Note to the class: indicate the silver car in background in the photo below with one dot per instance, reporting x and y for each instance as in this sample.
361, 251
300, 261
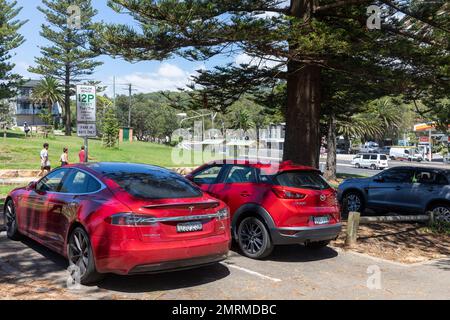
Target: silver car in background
410, 190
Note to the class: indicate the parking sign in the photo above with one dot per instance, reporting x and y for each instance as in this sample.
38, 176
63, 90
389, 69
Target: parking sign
86, 103
87, 130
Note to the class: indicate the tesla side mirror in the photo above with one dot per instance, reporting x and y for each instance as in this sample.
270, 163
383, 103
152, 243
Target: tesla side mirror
32, 185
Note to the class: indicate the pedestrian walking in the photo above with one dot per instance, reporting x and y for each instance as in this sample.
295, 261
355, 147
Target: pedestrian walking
26, 129
64, 157
45, 162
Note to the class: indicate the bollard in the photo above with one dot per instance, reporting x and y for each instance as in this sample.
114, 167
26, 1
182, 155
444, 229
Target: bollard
352, 228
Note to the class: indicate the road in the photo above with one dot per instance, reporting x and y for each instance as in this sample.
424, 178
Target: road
292, 272
345, 166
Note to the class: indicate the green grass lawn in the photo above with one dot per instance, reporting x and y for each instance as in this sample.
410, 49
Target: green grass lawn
18, 152
5, 189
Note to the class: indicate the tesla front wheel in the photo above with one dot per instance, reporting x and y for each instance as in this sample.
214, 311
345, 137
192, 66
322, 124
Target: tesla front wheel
12, 229
254, 239
81, 256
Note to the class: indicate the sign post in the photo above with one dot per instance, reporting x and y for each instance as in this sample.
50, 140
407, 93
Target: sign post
86, 115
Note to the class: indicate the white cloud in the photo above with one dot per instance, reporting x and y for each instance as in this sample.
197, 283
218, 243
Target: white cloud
166, 77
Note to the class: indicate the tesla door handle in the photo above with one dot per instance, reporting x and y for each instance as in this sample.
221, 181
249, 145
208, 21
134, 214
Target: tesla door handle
245, 194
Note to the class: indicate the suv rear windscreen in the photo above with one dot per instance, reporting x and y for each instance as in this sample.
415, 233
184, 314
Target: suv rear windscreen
301, 179
155, 185
383, 157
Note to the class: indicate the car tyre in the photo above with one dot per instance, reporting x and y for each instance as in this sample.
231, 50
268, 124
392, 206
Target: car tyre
12, 228
80, 254
353, 201
358, 165
317, 244
254, 238
373, 167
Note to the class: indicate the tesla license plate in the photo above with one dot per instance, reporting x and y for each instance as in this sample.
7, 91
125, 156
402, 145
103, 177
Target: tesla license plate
189, 227
321, 220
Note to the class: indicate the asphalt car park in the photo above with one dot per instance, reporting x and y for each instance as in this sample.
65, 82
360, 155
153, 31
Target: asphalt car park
292, 272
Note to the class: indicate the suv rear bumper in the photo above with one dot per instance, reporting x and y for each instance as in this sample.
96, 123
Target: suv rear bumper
305, 234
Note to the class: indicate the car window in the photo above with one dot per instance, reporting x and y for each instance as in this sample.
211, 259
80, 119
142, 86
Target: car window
208, 175
79, 182
383, 157
52, 181
154, 184
301, 179
398, 175
241, 174
366, 157
430, 177
373, 157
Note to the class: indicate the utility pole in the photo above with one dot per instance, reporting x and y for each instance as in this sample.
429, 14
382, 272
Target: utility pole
129, 108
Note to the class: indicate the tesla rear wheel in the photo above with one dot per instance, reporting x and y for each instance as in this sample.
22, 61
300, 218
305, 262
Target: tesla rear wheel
80, 254
441, 213
254, 239
317, 244
353, 202
12, 230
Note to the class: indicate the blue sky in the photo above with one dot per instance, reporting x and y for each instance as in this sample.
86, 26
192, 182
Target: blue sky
146, 76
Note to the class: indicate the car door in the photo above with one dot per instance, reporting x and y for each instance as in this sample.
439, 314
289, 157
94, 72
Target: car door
36, 204
389, 189
428, 185
365, 160
238, 186
207, 177
78, 188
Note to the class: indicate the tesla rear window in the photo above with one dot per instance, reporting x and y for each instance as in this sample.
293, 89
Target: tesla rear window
301, 179
155, 185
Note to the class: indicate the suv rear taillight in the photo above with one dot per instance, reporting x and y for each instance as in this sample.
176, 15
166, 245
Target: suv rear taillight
130, 219
284, 193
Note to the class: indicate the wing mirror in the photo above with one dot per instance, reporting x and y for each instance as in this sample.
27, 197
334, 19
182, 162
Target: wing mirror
378, 179
32, 185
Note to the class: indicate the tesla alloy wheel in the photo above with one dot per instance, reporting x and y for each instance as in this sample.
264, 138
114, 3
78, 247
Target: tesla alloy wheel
353, 202
80, 254
11, 221
442, 213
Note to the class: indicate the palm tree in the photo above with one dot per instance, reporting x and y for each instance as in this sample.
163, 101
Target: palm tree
48, 92
242, 120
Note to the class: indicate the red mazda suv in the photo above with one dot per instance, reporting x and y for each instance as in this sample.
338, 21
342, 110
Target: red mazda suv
120, 218
273, 204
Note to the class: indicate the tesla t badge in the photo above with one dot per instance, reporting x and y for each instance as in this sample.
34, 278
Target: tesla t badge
323, 197
191, 208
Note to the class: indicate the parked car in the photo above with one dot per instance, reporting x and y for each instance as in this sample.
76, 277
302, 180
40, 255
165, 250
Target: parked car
373, 161
369, 147
400, 189
121, 218
405, 153
385, 150
273, 204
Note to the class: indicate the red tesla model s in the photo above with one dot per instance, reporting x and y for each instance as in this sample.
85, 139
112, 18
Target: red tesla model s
120, 218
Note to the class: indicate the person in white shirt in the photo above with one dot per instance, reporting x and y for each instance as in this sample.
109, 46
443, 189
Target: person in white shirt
45, 162
64, 157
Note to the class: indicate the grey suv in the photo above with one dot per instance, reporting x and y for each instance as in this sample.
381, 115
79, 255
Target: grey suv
400, 189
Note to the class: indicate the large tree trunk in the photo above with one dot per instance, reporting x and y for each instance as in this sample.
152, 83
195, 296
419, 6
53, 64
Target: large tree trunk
330, 168
302, 138
68, 116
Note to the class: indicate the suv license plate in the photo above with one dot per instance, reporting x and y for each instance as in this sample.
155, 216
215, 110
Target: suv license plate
189, 227
321, 220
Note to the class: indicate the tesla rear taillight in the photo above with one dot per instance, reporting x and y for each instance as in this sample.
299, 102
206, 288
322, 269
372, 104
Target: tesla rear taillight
130, 219
284, 193
223, 214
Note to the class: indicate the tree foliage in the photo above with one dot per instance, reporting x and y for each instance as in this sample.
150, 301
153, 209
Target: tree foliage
69, 57
10, 39
110, 128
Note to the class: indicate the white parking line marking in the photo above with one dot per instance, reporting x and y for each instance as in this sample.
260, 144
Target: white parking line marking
252, 272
